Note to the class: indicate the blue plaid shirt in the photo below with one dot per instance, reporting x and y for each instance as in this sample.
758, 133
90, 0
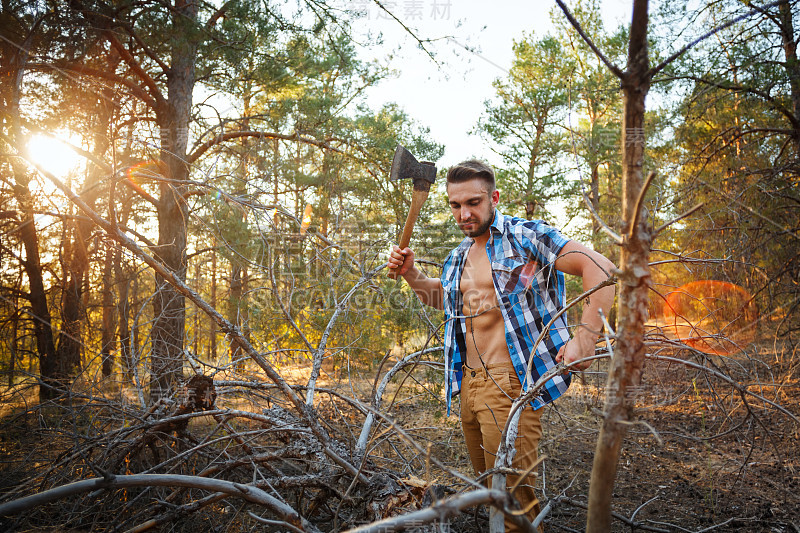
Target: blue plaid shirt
529, 290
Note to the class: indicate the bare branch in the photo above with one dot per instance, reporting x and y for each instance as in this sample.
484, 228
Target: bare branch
610, 232
135, 89
785, 230
575, 24
320, 351
246, 492
131, 61
420, 42
678, 218
223, 137
445, 509
759, 9
361, 444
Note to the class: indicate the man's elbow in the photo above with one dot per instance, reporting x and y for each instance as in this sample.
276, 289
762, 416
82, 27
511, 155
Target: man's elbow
606, 266
599, 265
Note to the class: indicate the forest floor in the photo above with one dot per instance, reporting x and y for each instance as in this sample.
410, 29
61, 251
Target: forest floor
696, 460
701, 456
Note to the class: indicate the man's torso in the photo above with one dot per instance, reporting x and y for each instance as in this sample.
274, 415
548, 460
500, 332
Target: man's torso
521, 254
485, 335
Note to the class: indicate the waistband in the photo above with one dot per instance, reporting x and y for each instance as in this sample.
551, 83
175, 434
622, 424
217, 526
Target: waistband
484, 370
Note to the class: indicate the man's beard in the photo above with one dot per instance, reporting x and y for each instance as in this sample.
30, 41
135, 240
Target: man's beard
479, 230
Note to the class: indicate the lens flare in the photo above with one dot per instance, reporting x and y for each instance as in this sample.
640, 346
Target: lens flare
306, 219
715, 317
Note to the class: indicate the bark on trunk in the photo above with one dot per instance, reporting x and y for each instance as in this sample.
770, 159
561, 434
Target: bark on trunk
173, 119
595, 199
68, 351
629, 352
212, 333
109, 315
12, 345
43, 332
792, 67
70, 339
234, 310
237, 307
123, 312
530, 197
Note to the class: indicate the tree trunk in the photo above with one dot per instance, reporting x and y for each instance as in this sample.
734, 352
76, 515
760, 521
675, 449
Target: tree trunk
233, 307
197, 338
13, 342
122, 279
43, 332
70, 339
595, 199
792, 67
238, 271
123, 312
135, 344
533, 163
109, 315
212, 334
629, 352
173, 119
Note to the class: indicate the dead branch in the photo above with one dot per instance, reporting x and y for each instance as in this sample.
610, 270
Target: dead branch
688, 213
600, 55
224, 325
637, 210
689, 46
443, 510
223, 137
615, 237
245, 492
630, 522
320, 351
361, 444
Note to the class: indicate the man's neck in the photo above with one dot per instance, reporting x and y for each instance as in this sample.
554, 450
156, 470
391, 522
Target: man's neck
481, 240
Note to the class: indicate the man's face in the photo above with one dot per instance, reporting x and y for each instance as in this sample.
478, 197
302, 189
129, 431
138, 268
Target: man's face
472, 206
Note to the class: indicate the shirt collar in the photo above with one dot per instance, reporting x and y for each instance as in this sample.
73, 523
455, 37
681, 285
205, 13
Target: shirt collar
497, 223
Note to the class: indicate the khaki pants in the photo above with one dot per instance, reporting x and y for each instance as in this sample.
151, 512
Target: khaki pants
486, 396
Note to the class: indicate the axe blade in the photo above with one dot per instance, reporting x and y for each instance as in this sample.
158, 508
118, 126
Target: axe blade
406, 166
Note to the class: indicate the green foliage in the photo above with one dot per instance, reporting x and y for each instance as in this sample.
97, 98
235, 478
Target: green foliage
556, 122
286, 88
736, 134
524, 123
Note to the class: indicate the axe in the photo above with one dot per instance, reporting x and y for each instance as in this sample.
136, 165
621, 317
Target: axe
422, 174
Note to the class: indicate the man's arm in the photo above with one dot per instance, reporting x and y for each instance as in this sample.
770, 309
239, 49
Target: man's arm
428, 290
578, 260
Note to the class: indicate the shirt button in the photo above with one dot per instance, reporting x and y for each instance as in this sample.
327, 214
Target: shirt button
472, 373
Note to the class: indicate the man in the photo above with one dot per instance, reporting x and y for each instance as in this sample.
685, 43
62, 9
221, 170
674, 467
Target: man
499, 289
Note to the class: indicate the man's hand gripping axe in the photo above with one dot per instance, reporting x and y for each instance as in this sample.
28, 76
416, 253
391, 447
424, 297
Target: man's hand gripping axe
422, 174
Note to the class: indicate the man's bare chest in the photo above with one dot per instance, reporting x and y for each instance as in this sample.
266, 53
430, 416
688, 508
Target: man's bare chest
477, 285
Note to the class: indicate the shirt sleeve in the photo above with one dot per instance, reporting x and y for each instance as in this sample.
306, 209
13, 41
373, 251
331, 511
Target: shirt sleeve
543, 240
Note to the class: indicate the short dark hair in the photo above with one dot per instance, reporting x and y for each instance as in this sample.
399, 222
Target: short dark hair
471, 169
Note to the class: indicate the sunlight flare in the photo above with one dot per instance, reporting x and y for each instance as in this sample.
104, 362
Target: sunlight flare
53, 155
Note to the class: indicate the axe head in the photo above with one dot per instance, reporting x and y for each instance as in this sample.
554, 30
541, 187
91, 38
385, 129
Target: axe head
406, 166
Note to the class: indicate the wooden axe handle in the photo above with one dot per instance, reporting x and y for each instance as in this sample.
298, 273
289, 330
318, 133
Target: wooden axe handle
417, 201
